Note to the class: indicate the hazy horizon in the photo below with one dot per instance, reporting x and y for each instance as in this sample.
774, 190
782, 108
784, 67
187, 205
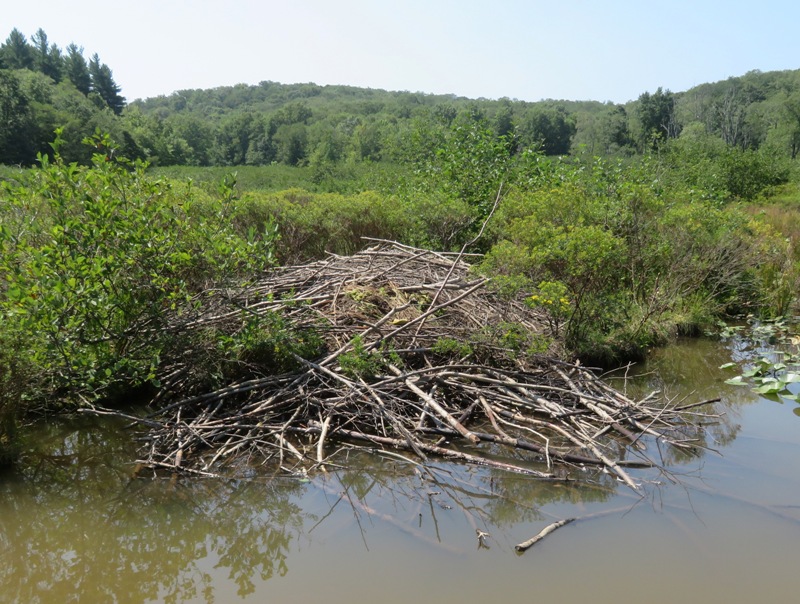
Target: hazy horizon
576, 50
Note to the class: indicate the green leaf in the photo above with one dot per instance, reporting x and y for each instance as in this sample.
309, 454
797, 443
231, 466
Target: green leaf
771, 388
736, 381
727, 365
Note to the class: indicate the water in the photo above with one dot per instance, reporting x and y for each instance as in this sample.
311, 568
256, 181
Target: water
76, 526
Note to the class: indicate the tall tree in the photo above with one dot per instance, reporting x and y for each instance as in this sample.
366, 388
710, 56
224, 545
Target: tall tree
791, 125
503, 124
104, 85
292, 113
46, 57
16, 53
602, 133
234, 137
199, 136
657, 117
730, 112
548, 127
614, 129
16, 133
291, 141
77, 70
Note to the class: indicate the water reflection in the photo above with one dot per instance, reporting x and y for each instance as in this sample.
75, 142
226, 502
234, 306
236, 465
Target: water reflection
76, 526
687, 368
410, 493
688, 372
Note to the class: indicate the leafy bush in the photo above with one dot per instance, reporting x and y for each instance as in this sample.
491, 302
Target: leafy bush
265, 344
723, 173
360, 363
636, 258
93, 259
313, 224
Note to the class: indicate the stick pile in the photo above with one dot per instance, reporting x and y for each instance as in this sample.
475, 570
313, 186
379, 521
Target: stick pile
419, 355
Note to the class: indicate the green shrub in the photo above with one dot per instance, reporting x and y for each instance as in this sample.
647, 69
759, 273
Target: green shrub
637, 259
92, 262
748, 173
360, 363
314, 224
720, 173
439, 222
268, 344
449, 348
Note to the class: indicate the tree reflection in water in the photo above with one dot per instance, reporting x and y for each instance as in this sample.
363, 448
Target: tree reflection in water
75, 526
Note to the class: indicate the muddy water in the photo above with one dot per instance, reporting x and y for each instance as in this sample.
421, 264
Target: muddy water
723, 525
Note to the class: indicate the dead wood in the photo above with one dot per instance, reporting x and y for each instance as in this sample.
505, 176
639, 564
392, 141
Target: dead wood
415, 353
525, 545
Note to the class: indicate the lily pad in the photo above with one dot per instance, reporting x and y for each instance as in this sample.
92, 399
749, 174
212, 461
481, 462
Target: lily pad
771, 387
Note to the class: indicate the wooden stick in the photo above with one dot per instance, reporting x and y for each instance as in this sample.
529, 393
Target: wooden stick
322, 434
448, 453
526, 445
525, 545
441, 411
700, 404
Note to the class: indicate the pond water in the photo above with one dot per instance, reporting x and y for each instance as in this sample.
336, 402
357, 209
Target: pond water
723, 525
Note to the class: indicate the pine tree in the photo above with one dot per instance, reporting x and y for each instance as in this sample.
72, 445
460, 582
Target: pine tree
103, 84
16, 53
76, 69
46, 57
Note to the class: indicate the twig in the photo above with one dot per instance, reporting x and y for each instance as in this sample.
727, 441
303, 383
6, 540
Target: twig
525, 545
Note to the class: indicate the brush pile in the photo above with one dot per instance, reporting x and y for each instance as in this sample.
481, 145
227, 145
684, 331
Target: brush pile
413, 354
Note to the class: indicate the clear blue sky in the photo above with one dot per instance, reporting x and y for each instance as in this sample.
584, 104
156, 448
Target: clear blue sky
604, 50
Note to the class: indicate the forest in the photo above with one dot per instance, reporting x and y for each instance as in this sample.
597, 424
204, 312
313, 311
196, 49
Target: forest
44, 87
617, 226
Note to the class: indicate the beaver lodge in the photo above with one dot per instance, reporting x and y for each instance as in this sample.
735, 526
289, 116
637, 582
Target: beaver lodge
394, 348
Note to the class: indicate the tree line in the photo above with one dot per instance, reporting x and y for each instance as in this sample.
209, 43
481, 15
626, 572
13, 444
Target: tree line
43, 87
755, 117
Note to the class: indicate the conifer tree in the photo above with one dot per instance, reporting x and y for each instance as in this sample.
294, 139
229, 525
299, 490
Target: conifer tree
104, 85
16, 53
77, 70
46, 57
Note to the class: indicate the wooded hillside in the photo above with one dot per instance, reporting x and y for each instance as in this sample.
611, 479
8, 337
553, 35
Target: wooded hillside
43, 87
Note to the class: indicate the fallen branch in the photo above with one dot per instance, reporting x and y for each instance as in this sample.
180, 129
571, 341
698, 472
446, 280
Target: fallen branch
525, 545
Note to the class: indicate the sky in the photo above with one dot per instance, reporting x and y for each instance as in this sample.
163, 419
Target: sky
601, 50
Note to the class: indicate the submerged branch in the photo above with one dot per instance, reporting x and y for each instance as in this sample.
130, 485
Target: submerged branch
525, 545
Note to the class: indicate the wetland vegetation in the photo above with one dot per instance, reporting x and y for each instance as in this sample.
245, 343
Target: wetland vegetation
262, 277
